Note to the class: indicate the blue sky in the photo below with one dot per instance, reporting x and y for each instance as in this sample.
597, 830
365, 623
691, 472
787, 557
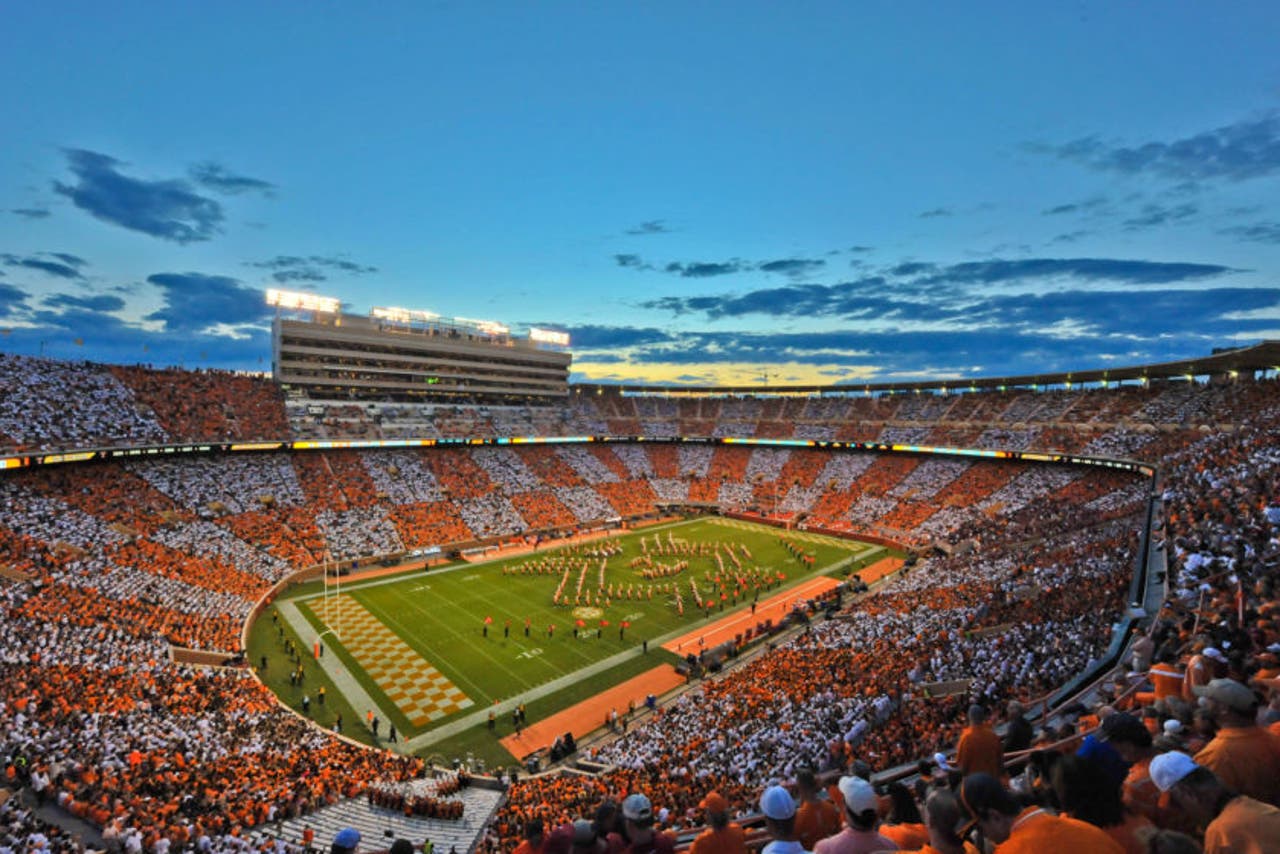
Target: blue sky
709, 192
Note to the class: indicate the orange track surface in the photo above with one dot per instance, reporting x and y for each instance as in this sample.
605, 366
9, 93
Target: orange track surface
589, 715
775, 607
880, 569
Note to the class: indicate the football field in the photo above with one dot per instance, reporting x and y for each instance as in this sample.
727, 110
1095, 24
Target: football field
433, 652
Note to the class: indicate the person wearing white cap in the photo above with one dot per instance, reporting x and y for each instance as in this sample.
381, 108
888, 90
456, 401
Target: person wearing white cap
861, 817
1233, 823
779, 810
1244, 756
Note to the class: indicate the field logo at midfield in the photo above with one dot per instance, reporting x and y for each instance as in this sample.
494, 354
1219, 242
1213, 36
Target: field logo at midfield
423, 693
587, 612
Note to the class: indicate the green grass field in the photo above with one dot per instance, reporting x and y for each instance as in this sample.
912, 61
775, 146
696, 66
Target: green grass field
381, 635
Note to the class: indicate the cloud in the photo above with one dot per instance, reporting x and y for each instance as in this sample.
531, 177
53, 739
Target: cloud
861, 249
635, 262
1084, 206
1132, 272
312, 268
653, 226
1259, 232
166, 209
100, 303
216, 177
11, 297
1071, 236
1246, 149
704, 269
65, 267
604, 337
1152, 215
30, 213
1006, 334
920, 291
793, 267
195, 302
934, 213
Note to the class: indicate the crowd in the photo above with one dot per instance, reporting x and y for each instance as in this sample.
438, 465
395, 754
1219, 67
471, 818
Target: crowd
125, 557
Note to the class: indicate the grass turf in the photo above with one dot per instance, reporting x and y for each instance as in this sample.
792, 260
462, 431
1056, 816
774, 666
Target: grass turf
440, 616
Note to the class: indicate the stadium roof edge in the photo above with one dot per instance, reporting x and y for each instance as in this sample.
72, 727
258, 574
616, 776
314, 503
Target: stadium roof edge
1262, 356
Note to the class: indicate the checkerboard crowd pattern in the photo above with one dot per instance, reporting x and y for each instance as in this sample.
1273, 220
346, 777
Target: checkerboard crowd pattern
421, 692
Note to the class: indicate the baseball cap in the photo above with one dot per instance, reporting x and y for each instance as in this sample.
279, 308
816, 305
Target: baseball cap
1214, 653
1124, 727
638, 809
348, 837
1168, 768
859, 795
1229, 693
776, 803
714, 802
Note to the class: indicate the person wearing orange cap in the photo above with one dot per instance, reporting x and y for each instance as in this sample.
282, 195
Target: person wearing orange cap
721, 836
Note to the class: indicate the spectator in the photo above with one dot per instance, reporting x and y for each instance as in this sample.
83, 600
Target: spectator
780, 821
1087, 791
721, 835
345, 841
816, 816
1026, 830
979, 749
1233, 823
859, 835
638, 829
1244, 756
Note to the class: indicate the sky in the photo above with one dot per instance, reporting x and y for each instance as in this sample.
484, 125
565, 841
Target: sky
708, 192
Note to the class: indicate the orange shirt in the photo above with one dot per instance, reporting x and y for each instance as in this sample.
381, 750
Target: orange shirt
1246, 759
909, 837
1244, 826
1036, 831
1126, 833
816, 820
1167, 680
980, 749
730, 840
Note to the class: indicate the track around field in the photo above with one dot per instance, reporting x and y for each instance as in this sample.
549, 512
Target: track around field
590, 715
774, 608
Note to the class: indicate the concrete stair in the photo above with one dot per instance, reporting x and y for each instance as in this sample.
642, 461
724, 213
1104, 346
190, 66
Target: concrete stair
380, 827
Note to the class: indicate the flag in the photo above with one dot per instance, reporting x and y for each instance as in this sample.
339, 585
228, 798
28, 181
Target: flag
626, 624
580, 623
488, 620
604, 622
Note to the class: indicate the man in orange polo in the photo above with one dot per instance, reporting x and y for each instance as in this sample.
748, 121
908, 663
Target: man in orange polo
1233, 823
979, 749
1033, 830
1243, 755
722, 836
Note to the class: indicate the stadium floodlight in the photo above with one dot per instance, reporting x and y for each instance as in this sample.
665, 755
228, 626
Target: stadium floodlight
491, 327
547, 336
298, 299
402, 315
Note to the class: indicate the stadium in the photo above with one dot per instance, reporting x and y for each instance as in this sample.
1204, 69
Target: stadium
417, 583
